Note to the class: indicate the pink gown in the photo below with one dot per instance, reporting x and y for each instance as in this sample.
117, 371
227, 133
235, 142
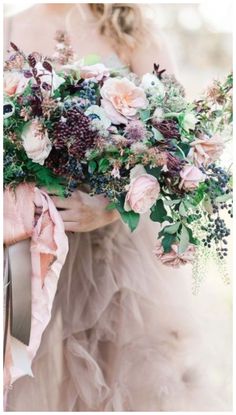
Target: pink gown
125, 334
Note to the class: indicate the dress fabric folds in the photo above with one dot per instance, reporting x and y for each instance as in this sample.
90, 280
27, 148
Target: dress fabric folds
124, 333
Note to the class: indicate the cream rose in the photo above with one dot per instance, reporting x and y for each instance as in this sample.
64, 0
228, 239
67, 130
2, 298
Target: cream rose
143, 191
122, 99
191, 177
173, 258
94, 72
204, 150
14, 83
36, 142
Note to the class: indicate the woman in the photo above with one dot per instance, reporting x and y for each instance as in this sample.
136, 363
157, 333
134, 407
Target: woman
124, 334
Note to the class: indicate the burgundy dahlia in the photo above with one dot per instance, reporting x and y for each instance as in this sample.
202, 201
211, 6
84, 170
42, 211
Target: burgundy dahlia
73, 133
168, 128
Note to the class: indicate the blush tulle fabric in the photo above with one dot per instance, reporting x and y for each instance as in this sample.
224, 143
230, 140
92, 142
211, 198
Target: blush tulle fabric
124, 334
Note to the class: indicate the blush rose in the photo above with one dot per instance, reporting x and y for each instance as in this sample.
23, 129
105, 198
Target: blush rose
191, 177
121, 99
143, 192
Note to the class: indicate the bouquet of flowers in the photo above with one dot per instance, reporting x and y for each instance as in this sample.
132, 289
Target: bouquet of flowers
136, 140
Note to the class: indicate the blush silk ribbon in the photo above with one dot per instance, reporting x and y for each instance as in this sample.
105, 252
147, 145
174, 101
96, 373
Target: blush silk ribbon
35, 251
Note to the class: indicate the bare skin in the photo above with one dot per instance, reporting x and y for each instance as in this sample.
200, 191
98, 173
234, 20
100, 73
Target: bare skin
34, 29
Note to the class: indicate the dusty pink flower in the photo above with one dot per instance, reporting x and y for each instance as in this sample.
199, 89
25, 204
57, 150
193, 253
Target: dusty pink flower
96, 72
115, 173
191, 177
122, 99
143, 192
36, 142
205, 150
173, 258
14, 83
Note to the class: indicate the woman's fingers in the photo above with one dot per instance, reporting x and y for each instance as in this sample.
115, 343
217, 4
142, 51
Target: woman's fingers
61, 203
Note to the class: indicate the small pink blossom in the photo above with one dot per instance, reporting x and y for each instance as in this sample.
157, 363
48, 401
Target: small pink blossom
122, 99
173, 258
116, 173
143, 192
191, 177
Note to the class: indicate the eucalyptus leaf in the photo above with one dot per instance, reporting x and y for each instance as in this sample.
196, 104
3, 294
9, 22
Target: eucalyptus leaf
184, 240
223, 198
182, 209
92, 165
172, 228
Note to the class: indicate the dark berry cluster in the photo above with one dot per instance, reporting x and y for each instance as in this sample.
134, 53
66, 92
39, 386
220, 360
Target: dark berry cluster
107, 185
88, 93
73, 133
217, 232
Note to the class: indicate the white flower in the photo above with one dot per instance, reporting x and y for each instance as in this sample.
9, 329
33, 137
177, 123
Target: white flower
189, 121
100, 113
50, 78
151, 82
36, 142
158, 114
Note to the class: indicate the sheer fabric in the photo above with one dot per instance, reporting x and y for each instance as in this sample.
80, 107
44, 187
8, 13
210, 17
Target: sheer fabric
125, 334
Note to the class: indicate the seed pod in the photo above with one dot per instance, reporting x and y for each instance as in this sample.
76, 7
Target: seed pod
32, 60
46, 86
14, 46
27, 74
47, 66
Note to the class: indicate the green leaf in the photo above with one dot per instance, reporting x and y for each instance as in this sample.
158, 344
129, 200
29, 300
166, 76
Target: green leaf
167, 242
184, 240
158, 212
144, 115
103, 165
92, 59
182, 209
154, 171
157, 135
223, 198
131, 218
92, 165
172, 229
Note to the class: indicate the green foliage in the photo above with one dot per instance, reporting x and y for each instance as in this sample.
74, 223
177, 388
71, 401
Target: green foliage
103, 165
130, 218
167, 241
158, 212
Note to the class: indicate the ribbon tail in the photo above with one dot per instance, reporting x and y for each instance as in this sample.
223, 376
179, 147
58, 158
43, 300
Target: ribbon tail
19, 276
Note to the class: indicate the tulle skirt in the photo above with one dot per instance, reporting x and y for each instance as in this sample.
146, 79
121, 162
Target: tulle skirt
126, 334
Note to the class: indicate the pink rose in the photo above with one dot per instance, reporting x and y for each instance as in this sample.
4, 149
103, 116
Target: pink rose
122, 99
191, 177
36, 142
14, 83
96, 72
206, 149
173, 258
143, 192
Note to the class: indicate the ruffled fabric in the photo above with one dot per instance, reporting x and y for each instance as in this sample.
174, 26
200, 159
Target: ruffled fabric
126, 334
49, 247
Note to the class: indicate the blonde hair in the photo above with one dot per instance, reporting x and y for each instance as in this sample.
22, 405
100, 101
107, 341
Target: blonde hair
121, 23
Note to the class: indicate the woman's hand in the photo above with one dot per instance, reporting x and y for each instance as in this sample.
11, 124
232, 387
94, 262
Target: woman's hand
83, 213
